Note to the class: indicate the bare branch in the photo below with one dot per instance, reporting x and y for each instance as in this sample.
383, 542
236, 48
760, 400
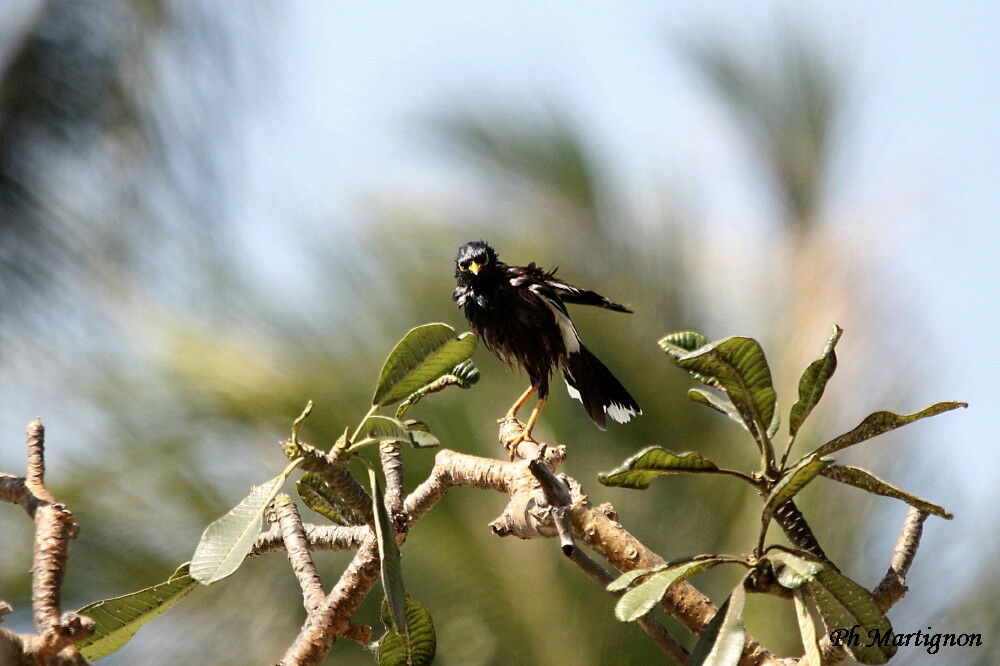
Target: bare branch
893, 585
392, 467
332, 538
35, 479
557, 495
54, 527
331, 619
297, 547
527, 516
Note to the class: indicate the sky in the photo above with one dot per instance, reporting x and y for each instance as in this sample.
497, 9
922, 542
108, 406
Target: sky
343, 89
354, 82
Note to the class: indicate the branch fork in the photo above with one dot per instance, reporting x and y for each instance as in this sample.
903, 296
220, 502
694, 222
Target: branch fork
56, 632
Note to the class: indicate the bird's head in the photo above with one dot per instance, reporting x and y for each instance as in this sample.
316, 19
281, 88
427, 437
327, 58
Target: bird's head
475, 260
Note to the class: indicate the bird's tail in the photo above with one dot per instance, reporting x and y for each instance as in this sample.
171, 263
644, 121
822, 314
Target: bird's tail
589, 381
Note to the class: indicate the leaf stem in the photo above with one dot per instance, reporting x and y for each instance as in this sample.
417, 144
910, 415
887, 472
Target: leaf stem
740, 475
788, 449
363, 443
759, 550
357, 431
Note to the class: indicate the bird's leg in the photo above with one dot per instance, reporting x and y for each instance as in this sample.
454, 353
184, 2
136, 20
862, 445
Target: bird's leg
512, 412
526, 433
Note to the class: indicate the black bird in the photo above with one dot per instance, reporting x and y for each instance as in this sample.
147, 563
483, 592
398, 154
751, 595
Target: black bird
519, 313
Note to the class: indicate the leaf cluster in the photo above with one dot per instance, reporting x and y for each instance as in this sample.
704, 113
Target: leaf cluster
738, 378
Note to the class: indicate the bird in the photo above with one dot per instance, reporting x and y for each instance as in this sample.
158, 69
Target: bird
519, 313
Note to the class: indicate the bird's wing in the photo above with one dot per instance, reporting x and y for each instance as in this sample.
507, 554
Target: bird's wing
570, 338
570, 294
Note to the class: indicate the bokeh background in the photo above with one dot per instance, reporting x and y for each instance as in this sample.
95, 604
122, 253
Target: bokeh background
210, 214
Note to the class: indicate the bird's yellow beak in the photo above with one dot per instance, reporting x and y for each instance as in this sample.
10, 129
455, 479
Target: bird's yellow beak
474, 267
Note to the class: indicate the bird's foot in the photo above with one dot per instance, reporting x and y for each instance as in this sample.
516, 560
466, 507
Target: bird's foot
512, 434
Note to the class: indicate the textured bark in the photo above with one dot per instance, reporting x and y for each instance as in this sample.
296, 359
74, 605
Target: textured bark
297, 548
334, 471
54, 527
331, 620
794, 524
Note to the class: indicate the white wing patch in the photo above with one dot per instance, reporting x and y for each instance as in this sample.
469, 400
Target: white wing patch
573, 393
571, 341
621, 413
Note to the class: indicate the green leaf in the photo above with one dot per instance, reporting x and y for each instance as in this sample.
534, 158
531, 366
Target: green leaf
865, 480
740, 367
792, 482
842, 603
807, 629
423, 355
225, 543
679, 344
880, 422
321, 498
420, 434
116, 620
395, 650
463, 375
628, 578
772, 429
792, 569
719, 403
639, 470
392, 568
384, 428
813, 382
423, 440
640, 599
466, 373
721, 641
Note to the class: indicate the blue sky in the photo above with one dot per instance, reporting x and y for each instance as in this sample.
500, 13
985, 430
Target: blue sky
353, 81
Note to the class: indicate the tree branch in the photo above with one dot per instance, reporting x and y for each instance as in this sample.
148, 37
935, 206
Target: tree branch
331, 619
392, 467
54, 527
334, 471
535, 491
893, 585
297, 547
332, 538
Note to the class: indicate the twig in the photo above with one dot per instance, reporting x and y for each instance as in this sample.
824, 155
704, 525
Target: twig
557, 495
333, 470
54, 527
596, 527
795, 527
331, 538
293, 536
35, 478
392, 467
893, 585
